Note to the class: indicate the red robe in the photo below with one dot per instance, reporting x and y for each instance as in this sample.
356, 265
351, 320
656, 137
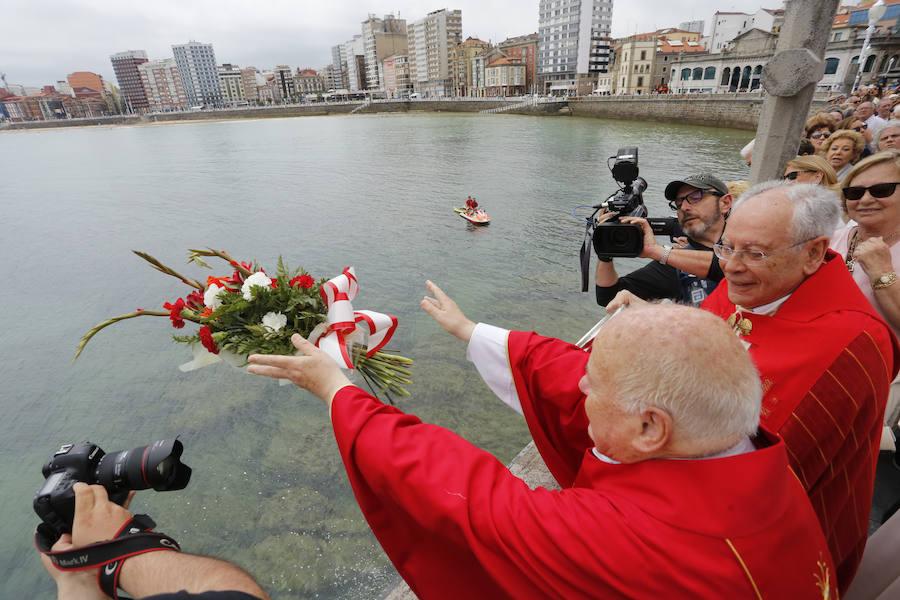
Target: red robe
457, 524
826, 360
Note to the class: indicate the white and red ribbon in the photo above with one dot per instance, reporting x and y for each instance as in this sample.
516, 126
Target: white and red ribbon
343, 322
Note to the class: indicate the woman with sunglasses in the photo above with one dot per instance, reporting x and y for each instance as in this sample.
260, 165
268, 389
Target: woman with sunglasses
843, 149
810, 169
818, 129
869, 245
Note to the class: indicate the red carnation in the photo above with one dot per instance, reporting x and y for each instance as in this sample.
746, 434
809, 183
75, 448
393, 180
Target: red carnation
175, 312
207, 340
194, 300
274, 284
304, 281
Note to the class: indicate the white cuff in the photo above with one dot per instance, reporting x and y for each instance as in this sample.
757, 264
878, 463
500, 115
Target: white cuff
487, 350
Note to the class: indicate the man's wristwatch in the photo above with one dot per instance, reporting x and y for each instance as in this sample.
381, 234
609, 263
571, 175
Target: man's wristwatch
667, 249
885, 281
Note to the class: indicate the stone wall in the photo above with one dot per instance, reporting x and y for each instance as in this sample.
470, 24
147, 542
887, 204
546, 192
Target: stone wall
736, 111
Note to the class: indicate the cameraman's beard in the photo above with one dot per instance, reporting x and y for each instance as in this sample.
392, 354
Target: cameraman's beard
701, 224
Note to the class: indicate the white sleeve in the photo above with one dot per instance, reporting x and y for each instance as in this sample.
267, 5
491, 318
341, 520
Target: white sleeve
488, 352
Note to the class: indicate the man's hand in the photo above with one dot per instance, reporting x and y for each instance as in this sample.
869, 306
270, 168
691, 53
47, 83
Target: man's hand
651, 248
314, 370
447, 313
623, 298
96, 517
72, 585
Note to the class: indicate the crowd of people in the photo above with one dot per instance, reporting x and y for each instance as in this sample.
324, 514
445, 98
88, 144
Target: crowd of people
722, 445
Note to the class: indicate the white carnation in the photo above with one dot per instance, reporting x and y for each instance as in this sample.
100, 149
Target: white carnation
212, 296
274, 321
258, 278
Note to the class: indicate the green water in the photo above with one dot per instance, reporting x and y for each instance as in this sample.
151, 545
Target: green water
373, 191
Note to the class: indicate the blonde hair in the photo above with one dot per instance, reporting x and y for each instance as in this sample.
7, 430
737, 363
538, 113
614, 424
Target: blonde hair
737, 187
859, 142
818, 121
817, 164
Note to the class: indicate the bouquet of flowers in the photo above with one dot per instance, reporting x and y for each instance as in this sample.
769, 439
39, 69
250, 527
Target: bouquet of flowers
250, 312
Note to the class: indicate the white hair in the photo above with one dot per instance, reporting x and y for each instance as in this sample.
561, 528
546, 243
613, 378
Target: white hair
817, 209
707, 382
891, 123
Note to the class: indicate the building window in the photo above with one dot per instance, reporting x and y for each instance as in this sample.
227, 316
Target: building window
685, 74
870, 62
831, 65
640, 82
726, 76
698, 73
709, 73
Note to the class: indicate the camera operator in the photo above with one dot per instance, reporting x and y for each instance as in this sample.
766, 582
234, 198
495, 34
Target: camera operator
160, 575
689, 274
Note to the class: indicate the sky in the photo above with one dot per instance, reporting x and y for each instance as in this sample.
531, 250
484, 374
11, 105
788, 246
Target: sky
41, 43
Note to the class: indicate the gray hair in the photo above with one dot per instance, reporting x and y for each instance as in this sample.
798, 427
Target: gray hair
817, 209
708, 384
891, 123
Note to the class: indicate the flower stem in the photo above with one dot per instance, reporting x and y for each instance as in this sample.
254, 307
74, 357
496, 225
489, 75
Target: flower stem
164, 269
138, 313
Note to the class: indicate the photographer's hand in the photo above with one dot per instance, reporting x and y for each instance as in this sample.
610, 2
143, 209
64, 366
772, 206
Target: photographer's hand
651, 249
314, 370
623, 298
96, 517
447, 314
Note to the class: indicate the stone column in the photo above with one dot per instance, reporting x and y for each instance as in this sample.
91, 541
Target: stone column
790, 79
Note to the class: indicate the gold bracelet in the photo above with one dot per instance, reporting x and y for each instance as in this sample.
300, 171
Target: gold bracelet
885, 281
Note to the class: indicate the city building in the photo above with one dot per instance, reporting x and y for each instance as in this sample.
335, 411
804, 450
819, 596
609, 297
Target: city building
848, 32
63, 87
199, 74
524, 48
85, 79
353, 53
163, 86
250, 82
504, 76
338, 68
736, 68
397, 83
463, 67
231, 84
573, 44
285, 88
125, 66
636, 71
726, 26
696, 26
381, 38
308, 83
431, 48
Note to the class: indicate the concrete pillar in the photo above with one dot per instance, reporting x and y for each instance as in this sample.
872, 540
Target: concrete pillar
790, 79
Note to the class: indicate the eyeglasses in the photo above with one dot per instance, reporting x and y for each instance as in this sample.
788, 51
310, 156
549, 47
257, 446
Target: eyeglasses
692, 199
750, 257
793, 174
821, 134
879, 190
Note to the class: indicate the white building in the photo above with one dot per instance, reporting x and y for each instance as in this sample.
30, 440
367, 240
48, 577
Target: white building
162, 84
431, 49
199, 73
573, 45
381, 38
725, 26
353, 52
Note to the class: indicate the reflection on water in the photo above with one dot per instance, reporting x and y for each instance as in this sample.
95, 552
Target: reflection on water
373, 191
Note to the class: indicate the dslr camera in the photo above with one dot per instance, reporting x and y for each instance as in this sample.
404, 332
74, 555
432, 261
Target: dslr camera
614, 238
156, 466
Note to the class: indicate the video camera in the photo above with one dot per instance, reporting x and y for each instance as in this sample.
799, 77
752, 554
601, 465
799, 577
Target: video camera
613, 238
156, 465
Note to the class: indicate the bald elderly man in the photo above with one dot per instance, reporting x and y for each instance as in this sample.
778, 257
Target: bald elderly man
825, 357
672, 494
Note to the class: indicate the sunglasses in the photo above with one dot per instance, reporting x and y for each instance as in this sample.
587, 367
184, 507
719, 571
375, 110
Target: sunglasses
859, 129
879, 190
793, 175
822, 134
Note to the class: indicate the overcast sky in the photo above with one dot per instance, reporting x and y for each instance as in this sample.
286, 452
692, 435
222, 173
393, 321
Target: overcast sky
42, 42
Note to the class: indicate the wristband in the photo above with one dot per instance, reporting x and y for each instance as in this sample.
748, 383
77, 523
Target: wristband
605, 258
667, 249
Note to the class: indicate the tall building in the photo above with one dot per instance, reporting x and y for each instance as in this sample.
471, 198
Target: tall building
250, 84
232, 88
353, 52
381, 38
125, 65
338, 67
285, 88
573, 44
199, 74
162, 83
431, 48
396, 76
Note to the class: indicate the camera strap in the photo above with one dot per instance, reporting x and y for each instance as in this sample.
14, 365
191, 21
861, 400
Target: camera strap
134, 538
586, 256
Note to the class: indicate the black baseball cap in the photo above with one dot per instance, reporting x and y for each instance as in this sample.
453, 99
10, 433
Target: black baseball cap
701, 181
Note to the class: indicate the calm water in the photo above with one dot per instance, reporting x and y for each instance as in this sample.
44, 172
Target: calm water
376, 192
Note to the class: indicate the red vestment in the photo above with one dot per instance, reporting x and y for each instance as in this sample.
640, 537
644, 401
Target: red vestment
826, 360
457, 524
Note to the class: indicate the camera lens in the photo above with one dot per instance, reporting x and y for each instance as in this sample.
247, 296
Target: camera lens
156, 465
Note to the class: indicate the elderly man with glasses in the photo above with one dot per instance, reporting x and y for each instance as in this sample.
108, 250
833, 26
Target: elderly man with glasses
825, 357
702, 201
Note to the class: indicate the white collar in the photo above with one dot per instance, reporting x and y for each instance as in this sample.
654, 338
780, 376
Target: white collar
742, 447
766, 309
